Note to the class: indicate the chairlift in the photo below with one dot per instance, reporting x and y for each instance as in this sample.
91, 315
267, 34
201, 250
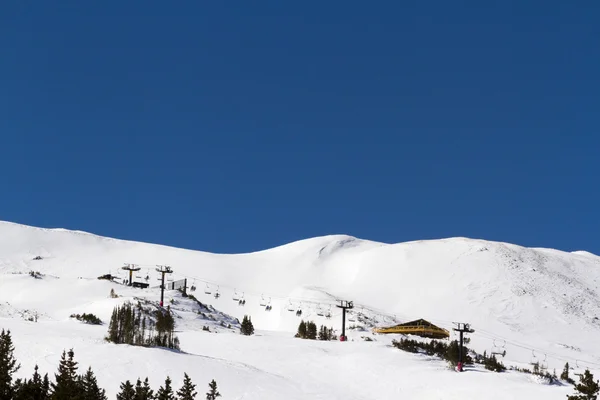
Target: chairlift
236, 296
262, 303
207, 289
268, 306
499, 350
320, 311
544, 363
169, 278
534, 359
351, 317
217, 294
328, 315
291, 307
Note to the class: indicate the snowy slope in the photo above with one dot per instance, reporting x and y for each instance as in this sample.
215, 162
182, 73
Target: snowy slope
538, 299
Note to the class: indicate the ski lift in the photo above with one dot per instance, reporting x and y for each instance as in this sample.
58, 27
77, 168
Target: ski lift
534, 359
499, 350
328, 315
351, 317
319, 311
544, 363
169, 278
207, 289
291, 307
217, 294
263, 303
236, 296
268, 306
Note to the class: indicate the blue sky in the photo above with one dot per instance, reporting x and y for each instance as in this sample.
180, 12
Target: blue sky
238, 126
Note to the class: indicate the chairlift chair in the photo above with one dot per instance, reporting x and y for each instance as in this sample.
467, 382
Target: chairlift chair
262, 303
544, 363
236, 296
534, 359
291, 307
351, 317
498, 350
207, 289
217, 294
320, 311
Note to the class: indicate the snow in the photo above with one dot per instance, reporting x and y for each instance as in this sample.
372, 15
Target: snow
540, 304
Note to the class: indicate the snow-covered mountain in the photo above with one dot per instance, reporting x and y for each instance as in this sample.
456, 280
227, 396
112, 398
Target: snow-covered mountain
538, 304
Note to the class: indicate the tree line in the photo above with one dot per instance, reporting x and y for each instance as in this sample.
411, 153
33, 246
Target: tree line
69, 385
308, 330
133, 325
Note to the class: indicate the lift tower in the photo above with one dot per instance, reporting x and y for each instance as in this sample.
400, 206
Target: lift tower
344, 305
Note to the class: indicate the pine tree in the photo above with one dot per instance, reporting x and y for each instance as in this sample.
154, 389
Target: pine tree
311, 330
143, 392
45, 394
127, 392
8, 365
33, 389
187, 391
66, 386
213, 393
166, 392
301, 330
247, 328
323, 333
587, 388
90, 388
565, 375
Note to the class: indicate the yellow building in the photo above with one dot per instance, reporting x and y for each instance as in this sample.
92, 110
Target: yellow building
419, 327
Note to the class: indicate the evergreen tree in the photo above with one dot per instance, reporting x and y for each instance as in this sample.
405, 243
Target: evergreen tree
143, 392
213, 393
8, 365
311, 330
565, 375
166, 392
587, 388
127, 392
247, 328
187, 391
89, 387
67, 384
301, 330
45, 393
33, 389
323, 333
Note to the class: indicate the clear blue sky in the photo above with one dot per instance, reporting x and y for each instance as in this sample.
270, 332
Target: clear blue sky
233, 126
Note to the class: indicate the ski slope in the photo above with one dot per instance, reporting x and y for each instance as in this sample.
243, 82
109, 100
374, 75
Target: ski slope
538, 304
